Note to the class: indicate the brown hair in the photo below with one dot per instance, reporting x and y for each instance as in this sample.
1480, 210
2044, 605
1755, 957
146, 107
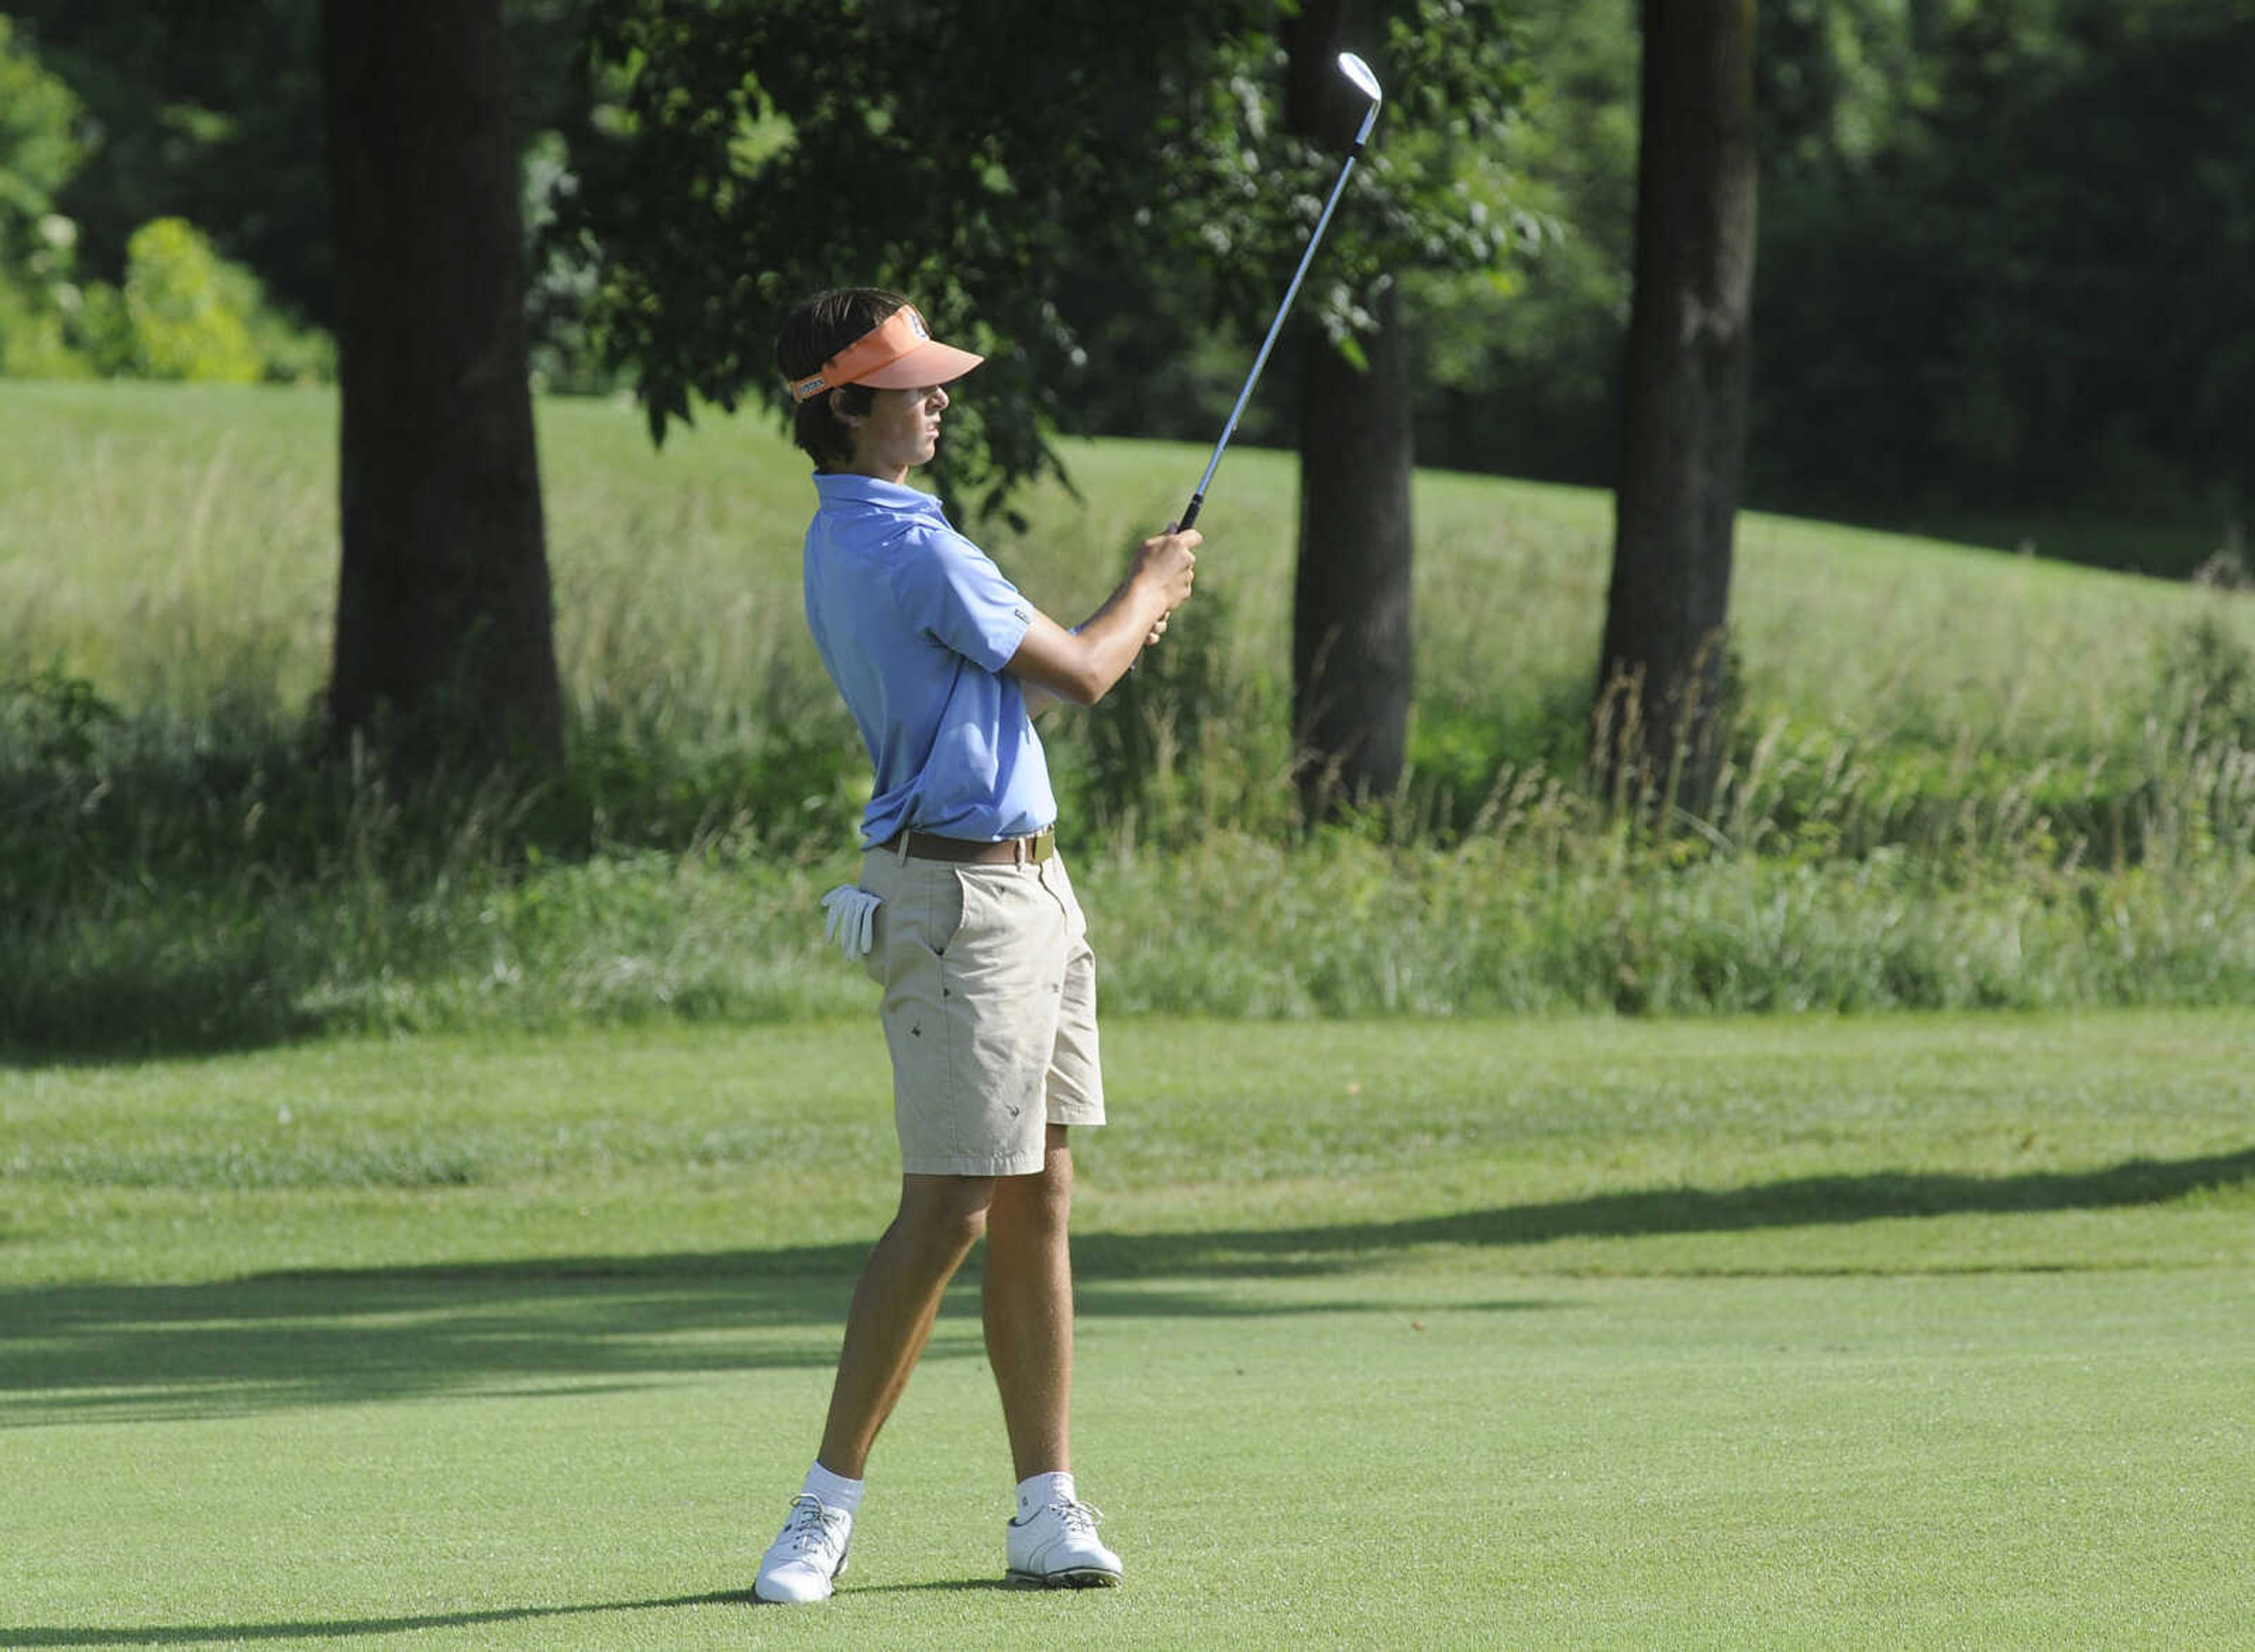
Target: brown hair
813, 333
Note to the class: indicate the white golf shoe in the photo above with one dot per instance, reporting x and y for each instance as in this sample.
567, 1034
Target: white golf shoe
1057, 1548
801, 1562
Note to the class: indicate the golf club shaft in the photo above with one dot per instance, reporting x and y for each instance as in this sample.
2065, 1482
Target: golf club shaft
1198, 499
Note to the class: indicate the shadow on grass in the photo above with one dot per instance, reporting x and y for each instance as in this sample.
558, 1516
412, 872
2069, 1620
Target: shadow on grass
566, 1327
348, 1628
1811, 1201
569, 1326
338, 1629
152, 1353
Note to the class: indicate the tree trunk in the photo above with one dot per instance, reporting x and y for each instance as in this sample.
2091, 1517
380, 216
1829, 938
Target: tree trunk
1660, 681
445, 649
1350, 612
1352, 643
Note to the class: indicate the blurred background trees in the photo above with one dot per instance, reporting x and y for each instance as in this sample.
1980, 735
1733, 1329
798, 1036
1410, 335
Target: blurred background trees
2008, 246
158, 178
2009, 256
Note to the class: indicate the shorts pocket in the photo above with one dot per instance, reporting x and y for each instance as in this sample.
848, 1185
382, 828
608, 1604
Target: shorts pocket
919, 914
922, 910
946, 900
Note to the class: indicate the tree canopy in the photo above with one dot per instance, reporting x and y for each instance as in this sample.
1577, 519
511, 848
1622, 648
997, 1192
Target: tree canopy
753, 153
2011, 255
2006, 243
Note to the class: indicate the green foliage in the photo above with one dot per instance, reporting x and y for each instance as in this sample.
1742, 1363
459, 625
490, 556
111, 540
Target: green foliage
714, 204
183, 312
2003, 269
2001, 272
1243, 185
209, 112
34, 332
1519, 363
212, 111
183, 318
2010, 261
159, 899
1151, 752
54, 719
40, 149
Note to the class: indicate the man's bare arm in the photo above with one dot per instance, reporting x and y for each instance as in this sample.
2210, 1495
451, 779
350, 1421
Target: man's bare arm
1054, 664
1040, 699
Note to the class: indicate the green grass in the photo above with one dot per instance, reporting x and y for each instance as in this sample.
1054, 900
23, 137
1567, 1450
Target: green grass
1957, 779
176, 545
1802, 1331
175, 548
1913, 1331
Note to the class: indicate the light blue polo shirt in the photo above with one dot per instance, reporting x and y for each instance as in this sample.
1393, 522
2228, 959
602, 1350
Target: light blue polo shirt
915, 624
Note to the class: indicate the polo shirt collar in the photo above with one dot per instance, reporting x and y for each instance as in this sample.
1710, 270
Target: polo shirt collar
849, 489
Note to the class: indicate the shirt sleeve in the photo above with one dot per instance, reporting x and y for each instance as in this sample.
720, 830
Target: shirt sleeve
958, 597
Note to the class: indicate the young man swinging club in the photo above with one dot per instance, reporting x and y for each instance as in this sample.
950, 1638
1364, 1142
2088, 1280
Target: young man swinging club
964, 915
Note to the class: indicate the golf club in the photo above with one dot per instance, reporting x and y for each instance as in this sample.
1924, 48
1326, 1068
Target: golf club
1358, 72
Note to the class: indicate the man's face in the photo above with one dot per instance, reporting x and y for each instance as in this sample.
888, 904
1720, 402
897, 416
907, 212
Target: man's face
900, 431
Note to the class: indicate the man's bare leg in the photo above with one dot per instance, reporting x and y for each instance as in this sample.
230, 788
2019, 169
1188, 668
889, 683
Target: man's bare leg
1029, 1310
894, 1303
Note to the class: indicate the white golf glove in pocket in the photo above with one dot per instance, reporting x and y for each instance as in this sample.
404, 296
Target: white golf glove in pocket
853, 922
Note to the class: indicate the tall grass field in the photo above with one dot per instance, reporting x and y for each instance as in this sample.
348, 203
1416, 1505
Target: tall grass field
1955, 778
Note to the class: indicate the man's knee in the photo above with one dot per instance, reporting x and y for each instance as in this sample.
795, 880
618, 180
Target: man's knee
947, 1211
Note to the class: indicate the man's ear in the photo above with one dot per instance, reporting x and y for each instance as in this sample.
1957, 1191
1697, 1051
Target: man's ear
851, 421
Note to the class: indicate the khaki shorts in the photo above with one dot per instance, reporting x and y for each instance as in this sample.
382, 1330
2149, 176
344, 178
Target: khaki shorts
989, 1010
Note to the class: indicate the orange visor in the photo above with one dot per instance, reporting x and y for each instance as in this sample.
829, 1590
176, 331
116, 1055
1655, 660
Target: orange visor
898, 353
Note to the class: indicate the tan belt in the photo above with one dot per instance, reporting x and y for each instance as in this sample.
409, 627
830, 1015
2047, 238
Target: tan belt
923, 845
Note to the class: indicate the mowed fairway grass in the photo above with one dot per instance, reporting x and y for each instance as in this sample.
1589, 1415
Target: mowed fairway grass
1797, 1333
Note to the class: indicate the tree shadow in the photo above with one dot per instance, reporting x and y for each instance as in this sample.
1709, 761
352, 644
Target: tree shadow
153, 1353
347, 1628
574, 1326
1808, 1201
338, 1629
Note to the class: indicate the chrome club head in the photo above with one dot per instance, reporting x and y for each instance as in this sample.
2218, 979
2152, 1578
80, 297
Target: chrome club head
1366, 83
1356, 70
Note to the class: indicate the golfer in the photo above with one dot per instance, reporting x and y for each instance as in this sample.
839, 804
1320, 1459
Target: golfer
964, 915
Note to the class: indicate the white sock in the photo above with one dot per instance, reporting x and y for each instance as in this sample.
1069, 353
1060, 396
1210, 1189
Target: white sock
833, 1491
1039, 1491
